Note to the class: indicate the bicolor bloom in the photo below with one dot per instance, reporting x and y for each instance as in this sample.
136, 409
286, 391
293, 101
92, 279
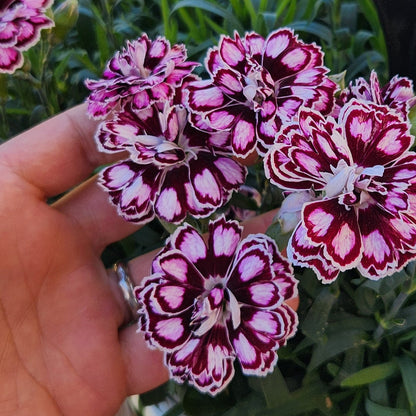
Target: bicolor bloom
173, 169
398, 93
20, 24
361, 172
208, 304
256, 84
143, 73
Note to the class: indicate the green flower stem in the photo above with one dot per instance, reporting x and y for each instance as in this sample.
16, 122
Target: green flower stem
396, 306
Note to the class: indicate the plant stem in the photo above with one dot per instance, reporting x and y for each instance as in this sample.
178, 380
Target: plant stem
396, 306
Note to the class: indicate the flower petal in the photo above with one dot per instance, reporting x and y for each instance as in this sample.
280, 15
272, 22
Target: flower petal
336, 227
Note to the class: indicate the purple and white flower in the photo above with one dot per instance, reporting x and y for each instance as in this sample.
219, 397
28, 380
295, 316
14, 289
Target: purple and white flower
362, 174
398, 93
20, 24
143, 73
257, 84
173, 169
208, 304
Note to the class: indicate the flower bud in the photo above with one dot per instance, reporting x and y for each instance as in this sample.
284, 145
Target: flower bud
289, 214
65, 17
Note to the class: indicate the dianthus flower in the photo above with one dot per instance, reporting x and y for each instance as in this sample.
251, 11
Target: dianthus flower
207, 305
361, 173
173, 169
143, 73
398, 93
20, 24
256, 84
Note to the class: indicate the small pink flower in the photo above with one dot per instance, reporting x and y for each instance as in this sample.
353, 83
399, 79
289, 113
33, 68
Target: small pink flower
207, 305
362, 174
20, 24
173, 169
256, 84
398, 93
143, 73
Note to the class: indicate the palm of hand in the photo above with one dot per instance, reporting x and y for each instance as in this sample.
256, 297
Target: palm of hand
59, 320
61, 348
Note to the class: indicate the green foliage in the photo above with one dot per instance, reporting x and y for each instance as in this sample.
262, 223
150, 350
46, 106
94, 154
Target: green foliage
355, 351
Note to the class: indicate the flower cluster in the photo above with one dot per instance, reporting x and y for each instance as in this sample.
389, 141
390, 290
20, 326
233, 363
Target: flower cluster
208, 304
342, 159
173, 169
20, 24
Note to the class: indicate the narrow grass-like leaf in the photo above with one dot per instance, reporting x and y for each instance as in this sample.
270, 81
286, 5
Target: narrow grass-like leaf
374, 409
248, 5
273, 387
316, 320
306, 399
169, 26
348, 16
408, 370
218, 29
364, 62
102, 43
313, 28
290, 15
353, 410
337, 343
371, 15
370, 374
176, 410
379, 392
192, 26
211, 8
281, 6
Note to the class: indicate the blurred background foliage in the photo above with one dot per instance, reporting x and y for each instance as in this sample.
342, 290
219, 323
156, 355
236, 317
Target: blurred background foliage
355, 351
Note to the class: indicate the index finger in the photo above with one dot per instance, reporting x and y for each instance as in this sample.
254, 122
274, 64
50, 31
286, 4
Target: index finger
56, 154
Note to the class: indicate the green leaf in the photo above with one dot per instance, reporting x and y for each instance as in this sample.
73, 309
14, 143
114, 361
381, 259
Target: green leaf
374, 409
308, 398
370, 12
337, 343
246, 407
199, 404
408, 315
275, 231
370, 374
211, 8
169, 25
273, 387
176, 410
379, 392
408, 370
364, 62
154, 396
316, 321
313, 28
412, 119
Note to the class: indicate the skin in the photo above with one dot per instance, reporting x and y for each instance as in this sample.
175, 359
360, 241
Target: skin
63, 347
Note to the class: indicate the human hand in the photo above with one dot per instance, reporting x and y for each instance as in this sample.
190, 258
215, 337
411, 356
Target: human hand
64, 349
